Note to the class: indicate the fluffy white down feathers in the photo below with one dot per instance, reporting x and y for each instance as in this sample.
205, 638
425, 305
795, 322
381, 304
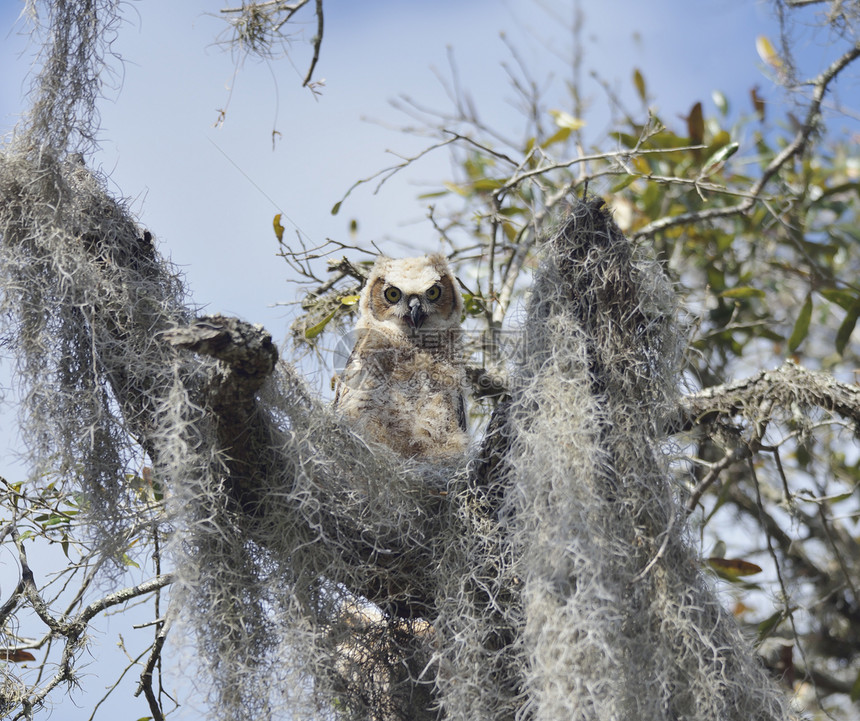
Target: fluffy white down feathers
404, 382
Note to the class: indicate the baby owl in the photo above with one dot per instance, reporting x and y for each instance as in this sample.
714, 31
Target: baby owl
403, 383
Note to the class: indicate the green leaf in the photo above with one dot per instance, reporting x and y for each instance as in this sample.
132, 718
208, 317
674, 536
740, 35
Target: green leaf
279, 229
767, 52
722, 499
628, 140
801, 325
623, 183
436, 194
766, 627
743, 291
723, 154
511, 211
349, 299
486, 185
559, 136
843, 298
639, 82
730, 569
768, 334
855, 689
458, 189
473, 305
843, 335
315, 330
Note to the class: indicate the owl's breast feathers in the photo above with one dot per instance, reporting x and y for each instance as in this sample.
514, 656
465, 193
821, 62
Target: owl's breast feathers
407, 393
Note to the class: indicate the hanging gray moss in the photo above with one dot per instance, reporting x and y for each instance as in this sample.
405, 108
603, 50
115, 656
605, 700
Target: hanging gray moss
619, 621
85, 295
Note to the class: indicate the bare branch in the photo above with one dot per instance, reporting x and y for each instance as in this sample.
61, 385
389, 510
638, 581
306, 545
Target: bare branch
620, 154
739, 453
317, 43
388, 172
794, 148
790, 383
123, 595
145, 685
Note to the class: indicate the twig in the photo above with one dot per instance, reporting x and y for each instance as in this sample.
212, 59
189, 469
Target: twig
73, 630
113, 686
317, 44
667, 534
738, 453
795, 147
145, 684
515, 180
278, 4
386, 173
785, 594
840, 560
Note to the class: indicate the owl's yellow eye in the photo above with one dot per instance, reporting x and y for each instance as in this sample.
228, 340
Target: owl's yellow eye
434, 293
392, 294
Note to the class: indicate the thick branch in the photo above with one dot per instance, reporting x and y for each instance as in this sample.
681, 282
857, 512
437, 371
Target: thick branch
246, 353
245, 357
788, 385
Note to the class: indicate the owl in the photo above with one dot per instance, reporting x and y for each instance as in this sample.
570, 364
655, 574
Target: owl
404, 382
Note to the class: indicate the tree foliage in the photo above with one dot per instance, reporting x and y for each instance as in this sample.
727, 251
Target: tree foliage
626, 464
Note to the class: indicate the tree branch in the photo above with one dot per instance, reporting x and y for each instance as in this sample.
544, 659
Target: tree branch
317, 43
245, 357
789, 384
145, 684
794, 148
739, 453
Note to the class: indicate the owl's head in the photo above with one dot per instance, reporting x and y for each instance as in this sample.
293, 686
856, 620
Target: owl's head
408, 295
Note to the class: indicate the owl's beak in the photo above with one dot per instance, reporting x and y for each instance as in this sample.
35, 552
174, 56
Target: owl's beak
416, 312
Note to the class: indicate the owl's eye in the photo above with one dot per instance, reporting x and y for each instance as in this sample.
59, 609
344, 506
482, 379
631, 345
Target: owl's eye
434, 292
392, 294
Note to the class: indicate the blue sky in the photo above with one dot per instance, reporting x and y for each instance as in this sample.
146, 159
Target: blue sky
209, 193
